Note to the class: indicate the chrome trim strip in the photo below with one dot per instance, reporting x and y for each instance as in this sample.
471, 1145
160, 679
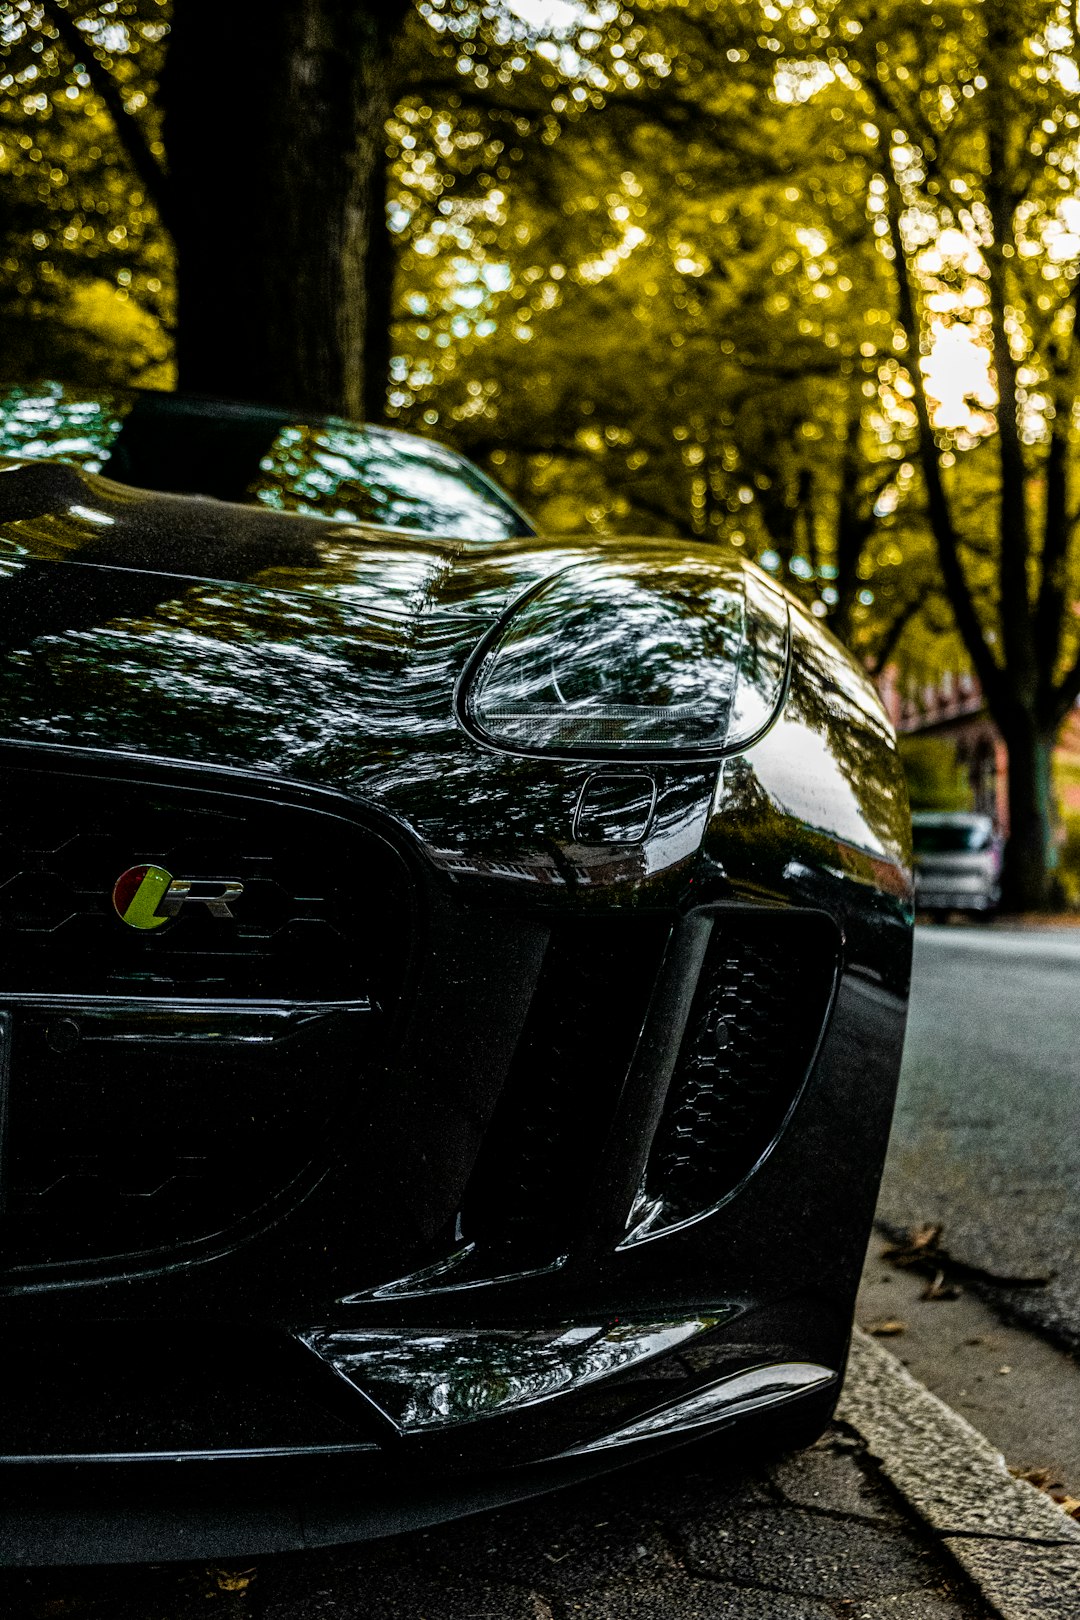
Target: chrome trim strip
729, 1397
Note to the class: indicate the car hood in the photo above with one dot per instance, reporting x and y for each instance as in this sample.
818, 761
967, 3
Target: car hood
53, 513
186, 629
241, 639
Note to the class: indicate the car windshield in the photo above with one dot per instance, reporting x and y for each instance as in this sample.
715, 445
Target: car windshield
318, 465
952, 837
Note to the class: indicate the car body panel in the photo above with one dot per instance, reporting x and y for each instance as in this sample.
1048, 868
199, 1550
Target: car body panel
472, 1098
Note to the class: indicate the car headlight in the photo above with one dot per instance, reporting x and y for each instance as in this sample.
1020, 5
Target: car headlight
646, 655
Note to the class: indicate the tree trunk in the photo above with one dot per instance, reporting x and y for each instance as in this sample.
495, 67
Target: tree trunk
380, 304
274, 129
1028, 879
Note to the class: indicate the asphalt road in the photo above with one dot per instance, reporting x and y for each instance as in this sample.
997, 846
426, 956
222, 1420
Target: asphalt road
986, 1141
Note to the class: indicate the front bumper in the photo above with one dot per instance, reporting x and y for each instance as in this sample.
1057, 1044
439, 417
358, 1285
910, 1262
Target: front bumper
585, 1170
225, 1502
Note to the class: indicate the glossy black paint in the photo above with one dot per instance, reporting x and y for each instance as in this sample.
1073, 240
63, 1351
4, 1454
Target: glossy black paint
318, 465
476, 1262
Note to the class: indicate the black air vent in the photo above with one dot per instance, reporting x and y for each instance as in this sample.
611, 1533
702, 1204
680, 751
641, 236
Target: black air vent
538, 1164
154, 1131
760, 1006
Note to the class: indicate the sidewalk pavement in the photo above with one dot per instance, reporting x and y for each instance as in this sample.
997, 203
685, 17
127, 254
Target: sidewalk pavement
1021, 1551
901, 1512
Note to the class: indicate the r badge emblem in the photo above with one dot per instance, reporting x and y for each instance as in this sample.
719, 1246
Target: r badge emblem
147, 896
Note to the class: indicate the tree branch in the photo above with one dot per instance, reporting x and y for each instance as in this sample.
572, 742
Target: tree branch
1058, 521
1053, 584
875, 491
941, 521
128, 129
926, 139
1014, 539
910, 610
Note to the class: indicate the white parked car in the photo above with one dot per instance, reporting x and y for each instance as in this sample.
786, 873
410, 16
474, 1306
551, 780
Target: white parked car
957, 861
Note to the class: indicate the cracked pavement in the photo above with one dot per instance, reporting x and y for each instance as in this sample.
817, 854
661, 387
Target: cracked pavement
810, 1536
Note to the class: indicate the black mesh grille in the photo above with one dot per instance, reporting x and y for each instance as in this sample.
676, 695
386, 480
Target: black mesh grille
144, 1139
537, 1168
165, 1086
761, 1002
319, 915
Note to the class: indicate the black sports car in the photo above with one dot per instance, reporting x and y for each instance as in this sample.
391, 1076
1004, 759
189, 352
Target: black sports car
452, 986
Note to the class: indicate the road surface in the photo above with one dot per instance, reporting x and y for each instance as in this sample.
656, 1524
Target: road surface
987, 1134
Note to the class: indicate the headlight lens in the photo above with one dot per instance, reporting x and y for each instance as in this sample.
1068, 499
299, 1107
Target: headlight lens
644, 656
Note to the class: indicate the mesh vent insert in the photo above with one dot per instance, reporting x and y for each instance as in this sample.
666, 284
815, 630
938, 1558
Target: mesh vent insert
761, 1003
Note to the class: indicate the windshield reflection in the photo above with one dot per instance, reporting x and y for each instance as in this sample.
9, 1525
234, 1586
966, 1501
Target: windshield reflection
384, 478
257, 455
46, 421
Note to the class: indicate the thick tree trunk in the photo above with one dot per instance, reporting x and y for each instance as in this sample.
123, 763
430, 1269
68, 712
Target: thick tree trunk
1028, 880
274, 131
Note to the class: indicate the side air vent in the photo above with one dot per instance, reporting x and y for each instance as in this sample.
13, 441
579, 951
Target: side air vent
761, 1003
534, 1173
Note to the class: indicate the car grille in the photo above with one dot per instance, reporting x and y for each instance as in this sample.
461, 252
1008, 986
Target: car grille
761, 1003
166, 1085
311, 923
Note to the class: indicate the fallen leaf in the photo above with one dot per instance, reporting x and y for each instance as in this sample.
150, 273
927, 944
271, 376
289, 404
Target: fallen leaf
938, 1288
887, 1329
1044, 1480
916, 1246
232, 1580
923, 1249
